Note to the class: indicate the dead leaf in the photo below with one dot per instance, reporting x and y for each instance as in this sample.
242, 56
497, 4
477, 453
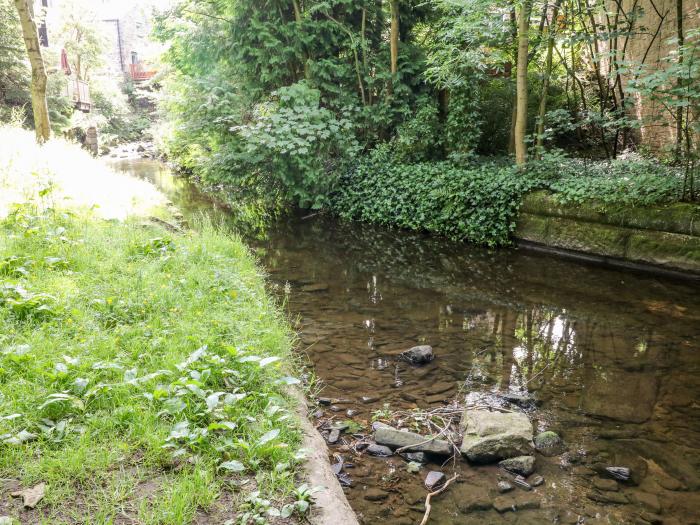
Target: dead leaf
31, 496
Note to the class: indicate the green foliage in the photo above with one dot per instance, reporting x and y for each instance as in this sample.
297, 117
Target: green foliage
295, 141
476, 203
420, 137
479, 202
632, 181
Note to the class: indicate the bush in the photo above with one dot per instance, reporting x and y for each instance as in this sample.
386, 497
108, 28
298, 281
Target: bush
297, 142
477, 203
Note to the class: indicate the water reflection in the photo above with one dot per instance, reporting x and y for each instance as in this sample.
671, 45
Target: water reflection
609, 360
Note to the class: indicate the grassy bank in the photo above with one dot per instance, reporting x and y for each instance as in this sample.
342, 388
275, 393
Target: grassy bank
141, 371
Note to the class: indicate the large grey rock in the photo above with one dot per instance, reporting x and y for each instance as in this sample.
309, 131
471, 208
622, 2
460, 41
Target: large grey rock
418, 355
492, 436
399, 438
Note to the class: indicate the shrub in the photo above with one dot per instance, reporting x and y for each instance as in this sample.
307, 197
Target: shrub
477, 203
296, 141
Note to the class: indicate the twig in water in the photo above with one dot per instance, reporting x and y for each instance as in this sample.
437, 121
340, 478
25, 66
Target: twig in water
428, 507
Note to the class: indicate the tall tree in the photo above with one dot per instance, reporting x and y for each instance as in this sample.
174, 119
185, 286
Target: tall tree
42, 125
547, 75
521, 82
394, 39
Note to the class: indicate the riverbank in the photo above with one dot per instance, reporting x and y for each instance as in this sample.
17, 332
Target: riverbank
144, 370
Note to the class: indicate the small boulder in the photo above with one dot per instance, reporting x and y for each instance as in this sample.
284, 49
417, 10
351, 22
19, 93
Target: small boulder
536, 481
399, 438
418, 355
378, 450
524, 465
434, 480
333, 436
621, 473
519, 481
504, 486
549, 443
492, 436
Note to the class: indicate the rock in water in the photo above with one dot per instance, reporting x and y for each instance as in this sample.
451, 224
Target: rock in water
524, 465
519, 481
417, 457
434, 480
504, 486
492, 436
379, 450
398, 438
621, 473
418, 355
549, 443
536, 481
334, 436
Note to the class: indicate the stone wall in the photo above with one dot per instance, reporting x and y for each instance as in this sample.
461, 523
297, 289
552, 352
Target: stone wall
663, 236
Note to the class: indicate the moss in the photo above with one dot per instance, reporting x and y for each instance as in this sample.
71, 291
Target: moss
666, 249
673, 218
601, 239
532, 227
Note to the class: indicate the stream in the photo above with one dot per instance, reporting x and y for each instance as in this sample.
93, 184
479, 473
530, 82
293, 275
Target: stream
610, 359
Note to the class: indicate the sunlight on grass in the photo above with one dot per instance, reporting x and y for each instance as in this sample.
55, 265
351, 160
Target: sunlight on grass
61, 174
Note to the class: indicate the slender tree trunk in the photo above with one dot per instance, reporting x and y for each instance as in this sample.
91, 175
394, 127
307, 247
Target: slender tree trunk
30, 33
547, 76
521, 83
298, 20
394, 40
363, 44
679, 82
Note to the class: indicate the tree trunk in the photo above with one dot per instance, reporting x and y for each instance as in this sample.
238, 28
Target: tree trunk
394, 40
521, 83
679, 83
25, 9
298, 20
547, 76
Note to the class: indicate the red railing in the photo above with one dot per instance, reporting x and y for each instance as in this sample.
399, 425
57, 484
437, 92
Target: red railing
136, 72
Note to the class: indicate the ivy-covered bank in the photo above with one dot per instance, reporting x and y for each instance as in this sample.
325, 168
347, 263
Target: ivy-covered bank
479, 201
143, 371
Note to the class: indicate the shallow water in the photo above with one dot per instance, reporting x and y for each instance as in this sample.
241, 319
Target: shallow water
612, 359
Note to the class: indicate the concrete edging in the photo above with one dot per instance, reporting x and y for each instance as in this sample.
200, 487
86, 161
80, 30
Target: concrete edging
330, 506
663, 238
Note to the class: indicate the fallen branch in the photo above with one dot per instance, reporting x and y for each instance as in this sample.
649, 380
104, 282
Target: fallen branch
428, 507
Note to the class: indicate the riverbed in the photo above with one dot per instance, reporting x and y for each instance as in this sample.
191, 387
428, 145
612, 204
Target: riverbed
610, 360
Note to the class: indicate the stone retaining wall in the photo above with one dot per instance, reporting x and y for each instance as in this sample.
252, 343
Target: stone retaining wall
663, 236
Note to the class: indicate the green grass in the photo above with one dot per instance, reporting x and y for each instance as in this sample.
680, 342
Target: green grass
142, 373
